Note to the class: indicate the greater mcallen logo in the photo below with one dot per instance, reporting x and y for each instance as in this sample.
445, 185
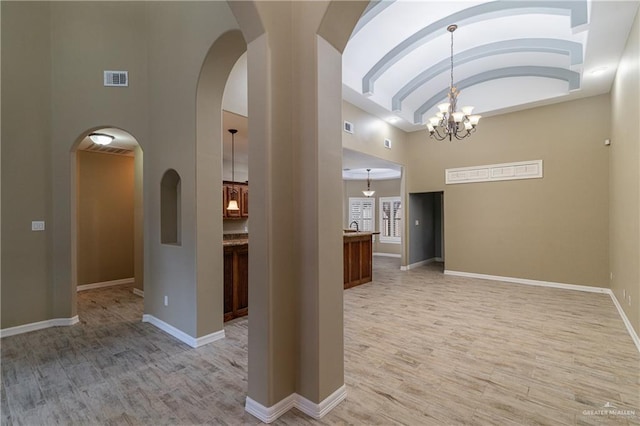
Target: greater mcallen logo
608, 409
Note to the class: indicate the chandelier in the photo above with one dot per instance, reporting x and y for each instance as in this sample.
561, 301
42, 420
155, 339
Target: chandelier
450, 123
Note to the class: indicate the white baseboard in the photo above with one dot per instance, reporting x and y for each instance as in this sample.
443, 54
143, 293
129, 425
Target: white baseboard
317, 411
396, 255
138, 292
181, 335
627, 323
529, 282
105, 284
269, 414
625, 319
56, 322
417, 264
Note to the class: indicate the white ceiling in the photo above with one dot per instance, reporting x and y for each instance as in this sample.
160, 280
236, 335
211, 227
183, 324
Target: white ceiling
510, 55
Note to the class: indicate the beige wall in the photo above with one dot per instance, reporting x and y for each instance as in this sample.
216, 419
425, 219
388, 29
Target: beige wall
26, 166
383, 188
624, 175
369, 135
550, 229
105, 217
54, 54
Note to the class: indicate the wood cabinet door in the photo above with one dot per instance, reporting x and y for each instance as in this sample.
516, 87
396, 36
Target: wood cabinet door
244, 197
242, 282
228, 283
225, 201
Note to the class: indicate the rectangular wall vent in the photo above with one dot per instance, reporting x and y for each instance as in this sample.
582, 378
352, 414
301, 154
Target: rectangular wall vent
348, 127
116, 78
387, 143
495, 172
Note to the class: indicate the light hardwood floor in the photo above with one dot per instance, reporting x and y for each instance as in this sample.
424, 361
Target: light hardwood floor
421, 348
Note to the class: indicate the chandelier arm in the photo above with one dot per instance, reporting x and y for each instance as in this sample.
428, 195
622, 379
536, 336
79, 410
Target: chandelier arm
463, 135
437, 136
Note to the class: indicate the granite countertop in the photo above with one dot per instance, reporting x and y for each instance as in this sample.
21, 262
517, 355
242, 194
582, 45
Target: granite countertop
235, 239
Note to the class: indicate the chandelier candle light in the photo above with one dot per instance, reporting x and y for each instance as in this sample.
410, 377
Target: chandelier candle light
233, 202
449, 123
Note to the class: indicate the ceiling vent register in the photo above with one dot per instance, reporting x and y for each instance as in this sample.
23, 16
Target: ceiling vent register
108, 149
116, 78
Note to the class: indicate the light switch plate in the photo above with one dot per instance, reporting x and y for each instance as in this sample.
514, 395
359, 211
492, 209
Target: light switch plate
37, 225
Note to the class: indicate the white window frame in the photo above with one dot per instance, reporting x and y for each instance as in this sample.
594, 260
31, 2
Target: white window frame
364, 203
395, 220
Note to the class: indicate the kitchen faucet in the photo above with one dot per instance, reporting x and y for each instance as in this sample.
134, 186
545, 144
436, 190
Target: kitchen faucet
356, 223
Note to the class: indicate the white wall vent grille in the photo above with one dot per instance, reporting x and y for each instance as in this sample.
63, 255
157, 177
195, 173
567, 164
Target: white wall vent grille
116, 78
495, 172
348, 127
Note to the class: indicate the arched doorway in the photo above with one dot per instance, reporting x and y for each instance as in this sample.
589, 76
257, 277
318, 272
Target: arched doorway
107, 244
217, 66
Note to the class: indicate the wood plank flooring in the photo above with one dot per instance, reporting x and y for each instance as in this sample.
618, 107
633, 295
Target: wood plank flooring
421, 348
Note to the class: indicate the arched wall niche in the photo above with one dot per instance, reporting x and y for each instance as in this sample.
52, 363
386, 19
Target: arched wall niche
170, 206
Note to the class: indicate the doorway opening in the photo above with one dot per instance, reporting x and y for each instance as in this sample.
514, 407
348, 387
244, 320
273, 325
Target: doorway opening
426, 229
107, 216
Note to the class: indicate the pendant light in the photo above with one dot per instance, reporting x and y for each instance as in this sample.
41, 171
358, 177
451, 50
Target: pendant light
233, 202
368, 192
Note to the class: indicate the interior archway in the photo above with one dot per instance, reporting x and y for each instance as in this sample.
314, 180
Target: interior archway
214, 73
107, 243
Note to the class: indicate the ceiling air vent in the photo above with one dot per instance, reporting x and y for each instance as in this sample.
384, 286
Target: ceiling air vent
109, 149
348, 127
116, 78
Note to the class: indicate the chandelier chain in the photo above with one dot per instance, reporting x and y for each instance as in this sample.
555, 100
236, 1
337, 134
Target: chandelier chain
451, 59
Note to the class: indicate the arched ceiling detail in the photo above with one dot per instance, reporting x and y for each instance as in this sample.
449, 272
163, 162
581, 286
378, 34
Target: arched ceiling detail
571, 77
547, 50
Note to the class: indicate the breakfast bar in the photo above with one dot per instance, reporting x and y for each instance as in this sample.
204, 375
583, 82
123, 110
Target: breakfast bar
358, 258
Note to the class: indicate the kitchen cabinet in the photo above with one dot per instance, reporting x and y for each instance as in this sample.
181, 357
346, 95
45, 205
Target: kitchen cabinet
236, 280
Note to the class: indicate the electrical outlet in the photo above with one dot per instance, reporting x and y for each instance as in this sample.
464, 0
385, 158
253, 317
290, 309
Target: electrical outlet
417, 222
166, 301
624, 293
629, 300
610, 275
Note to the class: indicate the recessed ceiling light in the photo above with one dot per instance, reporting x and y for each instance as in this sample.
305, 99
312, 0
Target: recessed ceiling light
599, 70
392, 119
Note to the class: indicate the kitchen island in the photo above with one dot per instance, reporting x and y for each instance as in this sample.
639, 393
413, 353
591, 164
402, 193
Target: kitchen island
358, 258
236, 275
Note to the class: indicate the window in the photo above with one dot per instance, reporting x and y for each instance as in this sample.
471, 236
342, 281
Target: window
361, 211
390, 220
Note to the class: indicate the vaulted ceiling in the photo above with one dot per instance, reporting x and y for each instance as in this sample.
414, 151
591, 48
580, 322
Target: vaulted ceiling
508, 55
